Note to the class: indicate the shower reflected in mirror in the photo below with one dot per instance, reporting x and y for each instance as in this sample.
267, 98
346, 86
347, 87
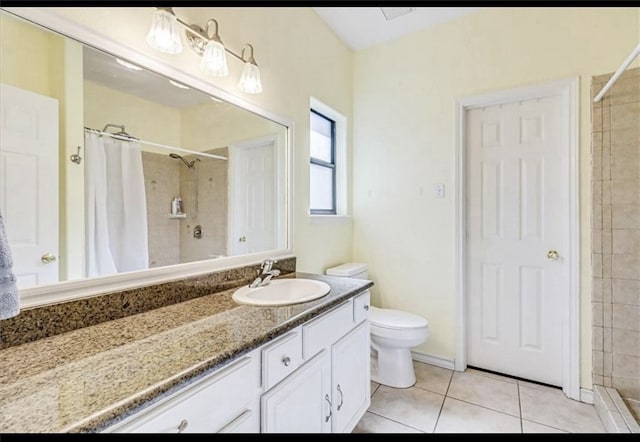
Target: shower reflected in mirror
189, 164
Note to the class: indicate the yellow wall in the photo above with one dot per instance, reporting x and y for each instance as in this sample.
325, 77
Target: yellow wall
143, 119
404, 110
21, 43
213, 125
298, 56
41, 62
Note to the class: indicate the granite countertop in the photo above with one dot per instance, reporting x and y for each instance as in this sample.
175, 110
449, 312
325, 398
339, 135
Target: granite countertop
87, 379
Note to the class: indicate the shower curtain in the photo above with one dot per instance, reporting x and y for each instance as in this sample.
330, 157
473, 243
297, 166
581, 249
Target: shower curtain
116, 206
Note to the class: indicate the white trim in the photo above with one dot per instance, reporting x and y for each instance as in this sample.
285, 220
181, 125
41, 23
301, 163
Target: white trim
586, 396
568, 89
83, 288
342, 203
329, 219
433, 360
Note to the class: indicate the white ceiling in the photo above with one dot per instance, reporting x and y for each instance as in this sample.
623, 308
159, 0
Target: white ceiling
360, 28
102, 68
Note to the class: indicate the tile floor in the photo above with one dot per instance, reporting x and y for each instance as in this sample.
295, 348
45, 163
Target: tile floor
445, 401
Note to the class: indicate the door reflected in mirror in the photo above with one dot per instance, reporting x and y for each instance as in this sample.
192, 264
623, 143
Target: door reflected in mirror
111, 168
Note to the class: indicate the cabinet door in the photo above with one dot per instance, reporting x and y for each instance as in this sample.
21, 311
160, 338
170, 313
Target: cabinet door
351, 379
301, 403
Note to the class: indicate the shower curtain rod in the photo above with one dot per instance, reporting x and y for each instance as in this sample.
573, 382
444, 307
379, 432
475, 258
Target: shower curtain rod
619, 72
151, 143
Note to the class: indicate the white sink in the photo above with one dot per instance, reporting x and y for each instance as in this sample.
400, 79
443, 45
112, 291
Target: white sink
282, 292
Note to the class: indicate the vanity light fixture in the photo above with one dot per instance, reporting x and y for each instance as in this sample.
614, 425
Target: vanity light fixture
164, 36
250, 78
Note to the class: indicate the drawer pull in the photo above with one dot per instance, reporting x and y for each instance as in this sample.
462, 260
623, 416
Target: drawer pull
183, 426
286, 361
366, 308
326, 397
341, 398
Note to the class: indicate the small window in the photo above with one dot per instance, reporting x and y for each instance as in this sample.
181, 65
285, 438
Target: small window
322, 165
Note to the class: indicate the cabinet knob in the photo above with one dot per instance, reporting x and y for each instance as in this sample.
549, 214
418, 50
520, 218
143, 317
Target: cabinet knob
326, 398
286, 361
553, 255
341, 398
183, 426
366, 308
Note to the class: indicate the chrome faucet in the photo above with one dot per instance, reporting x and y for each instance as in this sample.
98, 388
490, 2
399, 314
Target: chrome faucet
265, 274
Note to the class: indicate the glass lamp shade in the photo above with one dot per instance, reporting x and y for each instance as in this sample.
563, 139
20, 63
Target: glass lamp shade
214, 59
250, 79
164, 33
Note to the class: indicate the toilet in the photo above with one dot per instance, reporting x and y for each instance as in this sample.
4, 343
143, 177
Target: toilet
393, 334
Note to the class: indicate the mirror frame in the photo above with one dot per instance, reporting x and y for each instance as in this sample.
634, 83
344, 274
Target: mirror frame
88, 287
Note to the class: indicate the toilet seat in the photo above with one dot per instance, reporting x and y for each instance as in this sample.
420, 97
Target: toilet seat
395, 319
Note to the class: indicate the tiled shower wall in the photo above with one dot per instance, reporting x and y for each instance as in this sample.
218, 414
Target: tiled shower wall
211, 210
615, 227
171, 240
161, 184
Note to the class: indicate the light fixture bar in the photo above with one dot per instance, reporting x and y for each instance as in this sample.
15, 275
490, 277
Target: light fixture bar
199, 33
163, 36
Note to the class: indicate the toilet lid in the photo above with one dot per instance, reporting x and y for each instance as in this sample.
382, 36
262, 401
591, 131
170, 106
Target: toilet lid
397, 319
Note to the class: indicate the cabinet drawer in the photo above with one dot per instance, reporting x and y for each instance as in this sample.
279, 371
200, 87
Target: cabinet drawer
197, 409
361, 304
281, 358
327, 329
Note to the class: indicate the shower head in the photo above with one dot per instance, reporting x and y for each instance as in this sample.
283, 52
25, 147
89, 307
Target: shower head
175, 156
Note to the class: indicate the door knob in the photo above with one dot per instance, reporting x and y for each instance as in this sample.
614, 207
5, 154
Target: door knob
48, 258
553, 255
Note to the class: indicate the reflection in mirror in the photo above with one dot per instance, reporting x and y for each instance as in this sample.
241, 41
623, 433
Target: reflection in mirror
161, 174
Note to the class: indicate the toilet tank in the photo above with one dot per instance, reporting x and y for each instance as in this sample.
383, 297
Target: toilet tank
355, 270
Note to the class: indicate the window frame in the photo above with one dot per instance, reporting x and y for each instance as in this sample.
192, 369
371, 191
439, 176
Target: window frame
329, 165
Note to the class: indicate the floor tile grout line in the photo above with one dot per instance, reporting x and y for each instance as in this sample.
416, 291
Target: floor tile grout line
395, 421
446, 393
483, 406
547, 425
520, 408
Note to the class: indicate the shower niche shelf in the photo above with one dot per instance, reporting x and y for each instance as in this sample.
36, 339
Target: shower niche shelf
177, 215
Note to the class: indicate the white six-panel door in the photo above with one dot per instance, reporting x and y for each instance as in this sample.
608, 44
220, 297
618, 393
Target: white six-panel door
517, 211
253, 196
29, 183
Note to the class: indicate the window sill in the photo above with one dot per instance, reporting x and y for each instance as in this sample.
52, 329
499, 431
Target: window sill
324, 219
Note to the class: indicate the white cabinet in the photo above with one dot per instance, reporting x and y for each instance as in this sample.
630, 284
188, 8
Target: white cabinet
350, 383
313, 379
197, 408
301, 403
331, 391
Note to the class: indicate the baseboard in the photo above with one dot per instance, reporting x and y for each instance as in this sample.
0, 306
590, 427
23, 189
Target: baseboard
586, 396
433, 360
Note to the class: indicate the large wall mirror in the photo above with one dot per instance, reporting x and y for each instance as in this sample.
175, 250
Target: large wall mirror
109, 168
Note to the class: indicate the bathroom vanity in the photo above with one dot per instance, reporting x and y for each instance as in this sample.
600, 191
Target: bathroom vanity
203, 365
